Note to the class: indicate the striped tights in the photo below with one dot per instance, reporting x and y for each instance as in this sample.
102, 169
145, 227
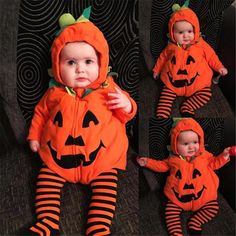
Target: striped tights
200, 217
48, 199
188, 107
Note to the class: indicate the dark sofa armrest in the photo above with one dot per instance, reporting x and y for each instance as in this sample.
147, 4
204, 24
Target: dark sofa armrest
7, 137
227, 55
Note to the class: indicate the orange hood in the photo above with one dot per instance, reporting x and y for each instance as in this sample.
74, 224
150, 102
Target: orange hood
184, 125
82, 31
184, 14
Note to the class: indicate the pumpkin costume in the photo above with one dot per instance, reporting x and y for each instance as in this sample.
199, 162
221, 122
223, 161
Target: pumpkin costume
185, 70
81, 140
192, 184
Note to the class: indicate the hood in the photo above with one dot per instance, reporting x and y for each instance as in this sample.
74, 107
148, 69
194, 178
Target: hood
184, 13
87, 32
184, 125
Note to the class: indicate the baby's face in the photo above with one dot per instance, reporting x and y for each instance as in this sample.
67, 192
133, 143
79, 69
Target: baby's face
187, 143
79, 64
183, 32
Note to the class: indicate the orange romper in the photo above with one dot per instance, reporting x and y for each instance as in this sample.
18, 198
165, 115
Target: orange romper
198, 173
79, 136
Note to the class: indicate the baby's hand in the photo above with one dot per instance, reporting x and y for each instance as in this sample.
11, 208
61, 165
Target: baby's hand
34, 145
232, 151
119, 100
155, 75
223, 71
142, 161
226, 153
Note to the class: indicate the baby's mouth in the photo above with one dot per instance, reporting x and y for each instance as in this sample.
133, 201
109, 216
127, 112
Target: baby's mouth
191, 152
81, 79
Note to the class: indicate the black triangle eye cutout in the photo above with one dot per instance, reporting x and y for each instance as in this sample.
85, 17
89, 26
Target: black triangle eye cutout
173, 60
89, 116
178, 175
196, 173
58, 119
189, 60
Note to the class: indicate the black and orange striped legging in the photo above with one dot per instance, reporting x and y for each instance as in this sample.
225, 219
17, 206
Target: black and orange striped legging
199, 217
188, 107
48, 199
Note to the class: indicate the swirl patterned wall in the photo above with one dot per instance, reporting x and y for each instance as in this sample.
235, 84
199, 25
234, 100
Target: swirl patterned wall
38, 22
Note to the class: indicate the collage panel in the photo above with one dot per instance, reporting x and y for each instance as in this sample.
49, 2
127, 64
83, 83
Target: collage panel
85, 181
175, 68
168, 175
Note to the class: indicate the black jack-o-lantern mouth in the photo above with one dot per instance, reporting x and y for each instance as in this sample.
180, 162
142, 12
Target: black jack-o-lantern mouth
183, 82
189, 197
74, 160
70, 161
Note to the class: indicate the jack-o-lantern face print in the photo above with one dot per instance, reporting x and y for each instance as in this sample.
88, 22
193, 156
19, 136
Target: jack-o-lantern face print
181, 194
186, 71
182, 73
73, 160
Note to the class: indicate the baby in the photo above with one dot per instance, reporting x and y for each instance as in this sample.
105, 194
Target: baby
78, 127
185, 65
192, 183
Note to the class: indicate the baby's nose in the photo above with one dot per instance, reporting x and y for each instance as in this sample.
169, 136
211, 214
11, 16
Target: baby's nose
79, 67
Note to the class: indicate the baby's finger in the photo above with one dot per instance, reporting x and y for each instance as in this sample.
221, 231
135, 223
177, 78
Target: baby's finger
115, 106
113, 101
118, 90
114, 95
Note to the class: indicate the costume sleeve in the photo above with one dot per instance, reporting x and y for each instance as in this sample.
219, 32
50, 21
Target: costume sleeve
157, 165
162, 59
216, 163
119, 113
211, 57
41, 115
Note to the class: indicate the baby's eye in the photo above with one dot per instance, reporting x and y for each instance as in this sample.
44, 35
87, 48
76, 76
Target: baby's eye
190, 31
185, 144
195, 142
180, 32
71, 62
88, 61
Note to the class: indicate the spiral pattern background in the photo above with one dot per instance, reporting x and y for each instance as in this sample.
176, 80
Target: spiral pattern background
209, 14
38, 22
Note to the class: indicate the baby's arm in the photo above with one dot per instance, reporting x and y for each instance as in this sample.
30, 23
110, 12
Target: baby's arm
142, 161
162, 59
155, 75
220, 160
117, 100
226, 153
34, 145
213, 60
223, 71
40, 117
152, 164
